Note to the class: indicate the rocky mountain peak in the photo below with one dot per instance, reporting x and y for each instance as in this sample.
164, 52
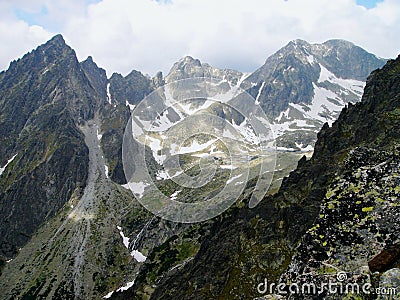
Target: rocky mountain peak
186, 67
298, 44
189, 60
55, 44
189, 67
338, 43
89, 60
96, 76
89, 63
309, 84
46, 55
339, 56
55, 47
57, 39
129, 89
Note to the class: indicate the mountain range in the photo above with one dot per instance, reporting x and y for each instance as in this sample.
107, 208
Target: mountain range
71, 230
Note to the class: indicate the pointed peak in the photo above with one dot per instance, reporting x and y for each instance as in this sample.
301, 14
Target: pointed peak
88, 61
89, 64
134, 73
299, 42
116, 76
57, 44
57, 39
189, 60
297, 47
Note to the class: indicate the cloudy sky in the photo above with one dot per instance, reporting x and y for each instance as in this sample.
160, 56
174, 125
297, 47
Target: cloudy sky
150, 35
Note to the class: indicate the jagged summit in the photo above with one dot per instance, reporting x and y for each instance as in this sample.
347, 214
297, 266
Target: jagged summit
89, 59
189, 67
90, 62
298, 42
50, 52
55, 46
339, 43
185, 68
189, 59
57, 39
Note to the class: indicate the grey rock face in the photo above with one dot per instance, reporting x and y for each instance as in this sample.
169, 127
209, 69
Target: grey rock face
129, 89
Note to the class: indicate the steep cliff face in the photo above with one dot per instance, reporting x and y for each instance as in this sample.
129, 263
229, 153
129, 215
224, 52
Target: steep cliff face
129, 89
43, 98
338, 209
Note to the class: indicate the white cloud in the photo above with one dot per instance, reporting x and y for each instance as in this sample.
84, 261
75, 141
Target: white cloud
16, 36
149, 36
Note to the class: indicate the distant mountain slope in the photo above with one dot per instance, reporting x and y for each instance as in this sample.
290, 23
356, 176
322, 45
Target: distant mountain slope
304, 85
300, 87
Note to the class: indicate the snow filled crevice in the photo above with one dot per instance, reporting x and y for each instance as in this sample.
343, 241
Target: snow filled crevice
7, 163
108, 94
259, 93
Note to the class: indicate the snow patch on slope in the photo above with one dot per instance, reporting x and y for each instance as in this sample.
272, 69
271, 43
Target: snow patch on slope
174, 196
233, 178
121, 289
136, 254
194, 147
131, 106
136, 187
353, 85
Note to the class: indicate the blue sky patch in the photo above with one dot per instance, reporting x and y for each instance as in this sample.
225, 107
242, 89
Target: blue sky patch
368, 3
29, 17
